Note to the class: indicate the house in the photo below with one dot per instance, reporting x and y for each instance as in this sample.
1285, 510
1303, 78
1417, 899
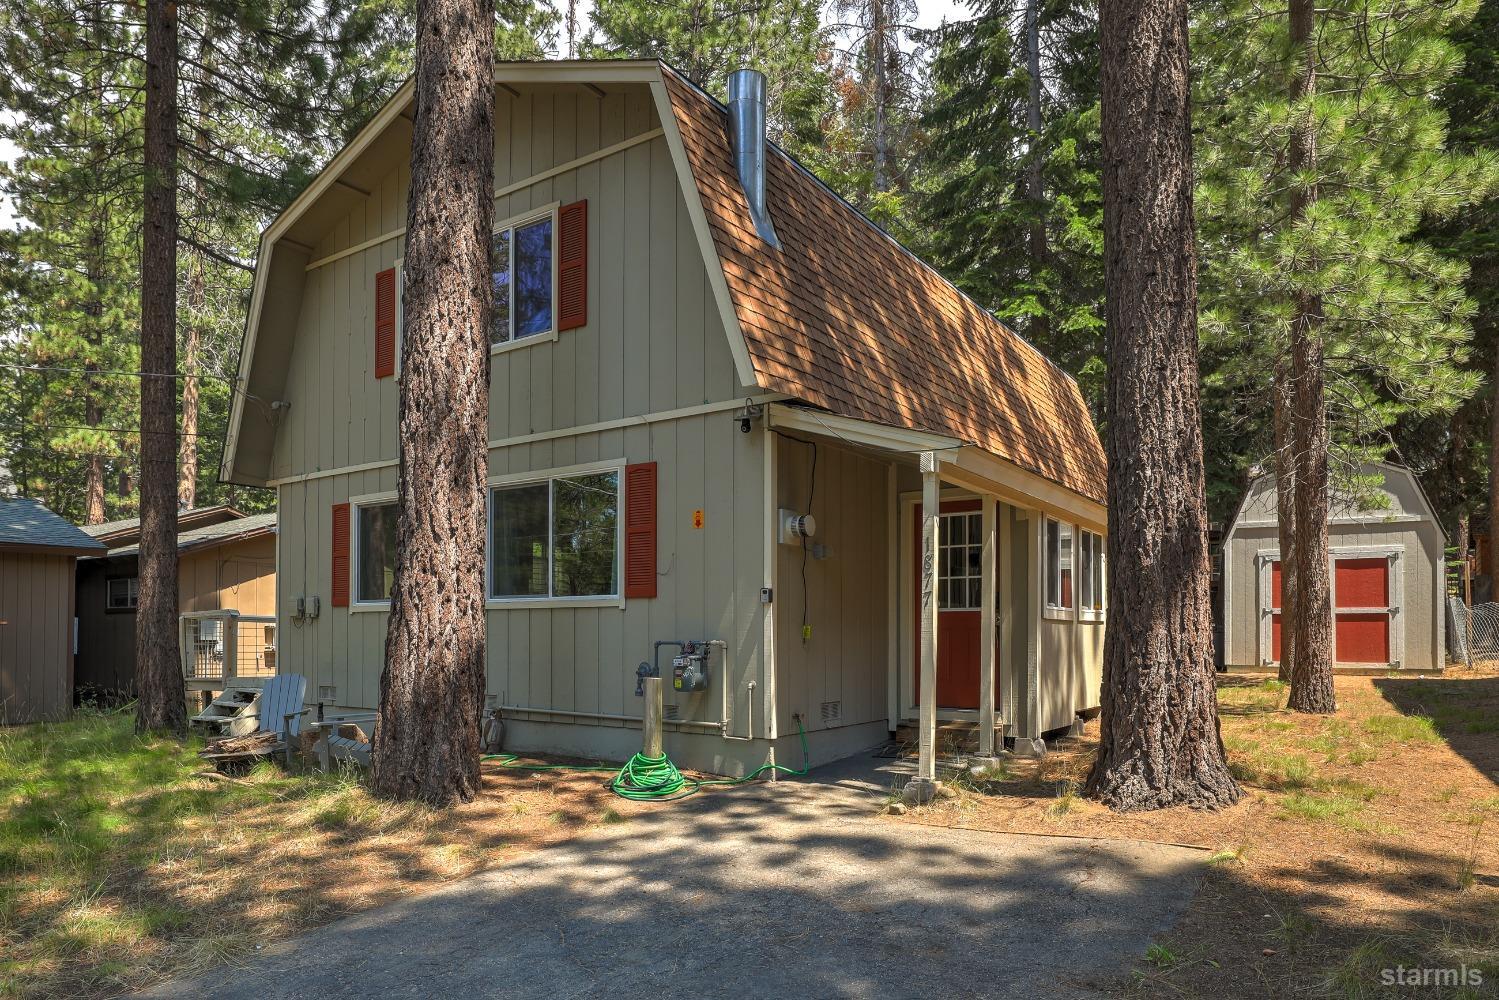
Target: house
226, 560
37, 553
720, 400
1387, 572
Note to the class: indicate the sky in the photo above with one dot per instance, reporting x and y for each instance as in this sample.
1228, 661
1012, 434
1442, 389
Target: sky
929, 14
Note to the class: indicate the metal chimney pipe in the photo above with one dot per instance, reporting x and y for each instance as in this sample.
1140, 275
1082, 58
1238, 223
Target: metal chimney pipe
747, 131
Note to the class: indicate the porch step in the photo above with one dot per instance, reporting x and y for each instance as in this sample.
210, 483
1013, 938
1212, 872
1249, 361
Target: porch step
952, 737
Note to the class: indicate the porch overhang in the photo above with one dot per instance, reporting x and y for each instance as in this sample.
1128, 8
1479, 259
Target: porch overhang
960, 463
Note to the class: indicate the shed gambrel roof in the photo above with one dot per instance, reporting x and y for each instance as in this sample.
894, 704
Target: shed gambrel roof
846, 319
25, 523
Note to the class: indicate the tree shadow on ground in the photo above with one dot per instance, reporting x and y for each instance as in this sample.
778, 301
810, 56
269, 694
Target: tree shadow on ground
1465, 712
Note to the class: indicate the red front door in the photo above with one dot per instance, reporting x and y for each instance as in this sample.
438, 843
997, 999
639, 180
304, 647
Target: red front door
958, 575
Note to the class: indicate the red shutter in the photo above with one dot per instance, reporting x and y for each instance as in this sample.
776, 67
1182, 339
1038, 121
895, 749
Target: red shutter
385, 323
572, 265
640, 530
340, 587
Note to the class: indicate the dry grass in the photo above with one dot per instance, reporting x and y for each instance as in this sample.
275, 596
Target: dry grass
119, 868
1364, 841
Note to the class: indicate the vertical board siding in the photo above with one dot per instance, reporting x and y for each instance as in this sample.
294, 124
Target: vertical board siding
846, 593
653, 342
36, 639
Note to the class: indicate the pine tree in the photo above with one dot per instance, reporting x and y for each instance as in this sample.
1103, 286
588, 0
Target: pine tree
1011, 208
1160, 743
1310, 197
432, 686
707, 39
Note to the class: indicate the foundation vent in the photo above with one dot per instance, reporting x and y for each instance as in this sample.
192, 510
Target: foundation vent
832, 711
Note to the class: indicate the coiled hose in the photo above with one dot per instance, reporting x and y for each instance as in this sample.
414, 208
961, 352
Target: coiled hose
657, 779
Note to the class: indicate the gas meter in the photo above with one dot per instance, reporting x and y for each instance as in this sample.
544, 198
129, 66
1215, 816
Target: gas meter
689, 669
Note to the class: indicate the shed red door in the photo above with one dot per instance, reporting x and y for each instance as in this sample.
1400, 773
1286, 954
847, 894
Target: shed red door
1361, 615
1361, 618
959, 572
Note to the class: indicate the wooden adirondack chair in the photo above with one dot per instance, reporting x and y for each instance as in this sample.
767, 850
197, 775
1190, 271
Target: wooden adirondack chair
279, 710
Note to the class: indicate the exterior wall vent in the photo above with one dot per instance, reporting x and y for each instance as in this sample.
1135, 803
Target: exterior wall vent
669, 712
832, 711
747, 133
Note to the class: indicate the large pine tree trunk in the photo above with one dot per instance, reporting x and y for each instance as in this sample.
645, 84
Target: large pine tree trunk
1311, 678
1494, 476
192, 360
1040, 324
158, 668
1160, 742
879, 41
432, 687
1285, 511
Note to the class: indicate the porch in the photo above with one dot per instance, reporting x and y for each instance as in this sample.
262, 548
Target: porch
993, 601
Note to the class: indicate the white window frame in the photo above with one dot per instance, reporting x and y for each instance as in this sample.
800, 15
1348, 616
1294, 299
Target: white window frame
356, 505
1050, 609
132, 593
617, 466
1099, 550
517, 222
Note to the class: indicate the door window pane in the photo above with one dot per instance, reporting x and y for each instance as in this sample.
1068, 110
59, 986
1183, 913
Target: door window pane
585, 520
518, 541
959, 561
376, 552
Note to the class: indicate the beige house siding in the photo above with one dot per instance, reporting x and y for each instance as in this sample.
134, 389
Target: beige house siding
36, 636
846, 660
654, 340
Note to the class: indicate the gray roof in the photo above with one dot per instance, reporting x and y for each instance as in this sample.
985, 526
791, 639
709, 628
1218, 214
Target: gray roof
134, 523
27, 522
212, 534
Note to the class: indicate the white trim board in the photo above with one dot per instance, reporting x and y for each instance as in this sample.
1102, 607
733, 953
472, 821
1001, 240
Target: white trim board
499, 444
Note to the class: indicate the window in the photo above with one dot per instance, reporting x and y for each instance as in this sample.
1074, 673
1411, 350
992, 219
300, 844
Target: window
558, 538
121, 594
521, 273
1058, 565
1090, 571
374, 551
960, 551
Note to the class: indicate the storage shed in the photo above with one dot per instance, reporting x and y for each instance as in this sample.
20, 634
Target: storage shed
38, 550
1386, 571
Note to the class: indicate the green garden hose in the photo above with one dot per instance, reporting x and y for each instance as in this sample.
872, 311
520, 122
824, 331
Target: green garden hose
656, 779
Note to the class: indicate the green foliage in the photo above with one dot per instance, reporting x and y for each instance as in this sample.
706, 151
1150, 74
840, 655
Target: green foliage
708, 39
1396, 320
974, 211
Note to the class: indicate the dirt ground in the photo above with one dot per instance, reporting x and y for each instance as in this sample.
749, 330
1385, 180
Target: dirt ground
1364, 841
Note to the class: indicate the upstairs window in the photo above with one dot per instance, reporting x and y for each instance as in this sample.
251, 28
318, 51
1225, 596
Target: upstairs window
122, 593
1059, 562
523, 280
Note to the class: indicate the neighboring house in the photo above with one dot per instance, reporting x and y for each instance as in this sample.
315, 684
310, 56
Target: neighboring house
1387, 574
666, 384
37, 553
226, 560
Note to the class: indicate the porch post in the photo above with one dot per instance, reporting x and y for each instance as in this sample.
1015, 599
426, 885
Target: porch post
923, 787
1028, 742
986, 628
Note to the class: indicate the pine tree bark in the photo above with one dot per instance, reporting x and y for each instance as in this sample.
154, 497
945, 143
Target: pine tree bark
1311, 678
1493, 539
1285, 511
432, 688
879, 40
187, 476
161, 701
1040, 325
1160, 742
93, 411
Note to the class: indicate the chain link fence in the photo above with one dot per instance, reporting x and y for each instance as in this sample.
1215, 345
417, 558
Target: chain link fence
1472, 631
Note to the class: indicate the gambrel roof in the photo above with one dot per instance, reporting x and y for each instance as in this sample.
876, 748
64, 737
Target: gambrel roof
841, 318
